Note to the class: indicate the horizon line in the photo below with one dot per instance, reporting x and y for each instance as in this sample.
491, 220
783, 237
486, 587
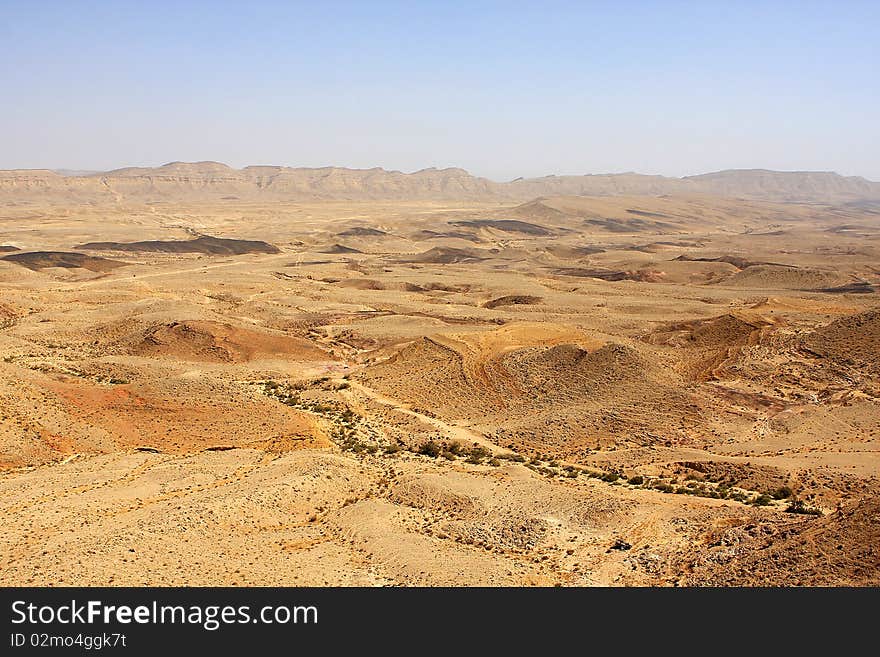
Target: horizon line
73, 172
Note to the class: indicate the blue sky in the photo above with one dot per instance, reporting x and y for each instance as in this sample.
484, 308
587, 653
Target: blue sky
502, 89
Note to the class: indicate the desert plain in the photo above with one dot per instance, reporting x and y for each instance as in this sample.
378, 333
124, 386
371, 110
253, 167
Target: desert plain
624, 383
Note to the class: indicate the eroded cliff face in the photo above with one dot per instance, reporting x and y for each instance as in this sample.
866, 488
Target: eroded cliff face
214, 181
182, 181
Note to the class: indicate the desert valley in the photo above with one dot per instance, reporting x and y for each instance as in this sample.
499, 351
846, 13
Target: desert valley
274, 376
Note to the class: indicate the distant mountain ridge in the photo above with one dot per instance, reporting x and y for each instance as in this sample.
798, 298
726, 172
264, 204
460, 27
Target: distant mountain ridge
205, 181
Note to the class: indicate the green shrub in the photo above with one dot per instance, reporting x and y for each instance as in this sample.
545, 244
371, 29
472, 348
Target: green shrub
798, 506
454, 448
430, 448
781, 493
762, 500
480, 452
636, 480
494, 463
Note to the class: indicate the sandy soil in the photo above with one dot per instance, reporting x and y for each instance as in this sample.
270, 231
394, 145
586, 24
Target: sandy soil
568, 391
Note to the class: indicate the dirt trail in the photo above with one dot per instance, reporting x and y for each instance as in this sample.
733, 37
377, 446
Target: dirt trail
452, 432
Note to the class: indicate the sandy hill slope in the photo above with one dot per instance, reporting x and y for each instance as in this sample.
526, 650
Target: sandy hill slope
182, 181
38, 260
784, 277
169, 413
669, 214
219, 342
445, 256
361, 231
710, 344
724, 331
339, 249
837, 550
204, 244
852, 340
506, 225
543, 389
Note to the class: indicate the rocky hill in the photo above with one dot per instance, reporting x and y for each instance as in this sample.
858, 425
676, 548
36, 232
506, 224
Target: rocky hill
206, 181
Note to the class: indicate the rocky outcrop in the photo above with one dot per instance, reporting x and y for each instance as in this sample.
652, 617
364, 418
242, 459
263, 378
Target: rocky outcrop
202, 181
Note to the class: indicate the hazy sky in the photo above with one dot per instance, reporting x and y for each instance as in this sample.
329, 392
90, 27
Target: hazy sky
502, 89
